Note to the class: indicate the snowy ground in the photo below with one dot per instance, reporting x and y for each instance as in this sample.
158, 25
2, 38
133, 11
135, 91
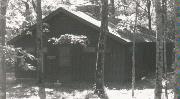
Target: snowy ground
29, 90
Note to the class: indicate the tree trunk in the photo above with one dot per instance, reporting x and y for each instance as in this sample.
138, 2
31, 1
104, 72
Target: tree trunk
39, 45
133, 56
159, 49
3, 8
101, 51
164, 22
112, 11
149, 13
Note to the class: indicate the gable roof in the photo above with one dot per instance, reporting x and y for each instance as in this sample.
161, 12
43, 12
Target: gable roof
92, 22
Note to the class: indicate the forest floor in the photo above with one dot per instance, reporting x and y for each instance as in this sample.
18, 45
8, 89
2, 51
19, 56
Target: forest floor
28, 89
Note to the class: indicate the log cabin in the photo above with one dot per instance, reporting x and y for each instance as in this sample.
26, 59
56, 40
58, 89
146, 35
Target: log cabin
67, 63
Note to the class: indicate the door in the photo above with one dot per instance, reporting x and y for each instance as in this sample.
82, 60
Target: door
64, 64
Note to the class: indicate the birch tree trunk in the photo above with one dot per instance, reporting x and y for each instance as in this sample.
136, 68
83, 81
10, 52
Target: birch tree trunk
39, 45
3, 8
99, 90
159, 49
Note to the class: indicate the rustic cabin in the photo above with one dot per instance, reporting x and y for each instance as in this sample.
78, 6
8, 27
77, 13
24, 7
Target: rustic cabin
68, 63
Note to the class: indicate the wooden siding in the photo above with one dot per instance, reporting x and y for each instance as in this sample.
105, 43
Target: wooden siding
118, 59
115, 61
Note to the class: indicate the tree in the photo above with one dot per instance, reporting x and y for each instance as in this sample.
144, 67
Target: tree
39, 47
133, 56
3, 8
159, 49
101, 50
112, 10
164, 20
149, 13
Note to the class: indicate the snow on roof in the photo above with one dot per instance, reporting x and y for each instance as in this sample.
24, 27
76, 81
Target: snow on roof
95, 22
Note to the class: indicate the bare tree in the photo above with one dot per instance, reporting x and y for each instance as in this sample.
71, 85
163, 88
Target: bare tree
101, 50
3, 9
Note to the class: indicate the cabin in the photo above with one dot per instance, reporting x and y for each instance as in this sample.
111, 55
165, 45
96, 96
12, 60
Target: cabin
67, 63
